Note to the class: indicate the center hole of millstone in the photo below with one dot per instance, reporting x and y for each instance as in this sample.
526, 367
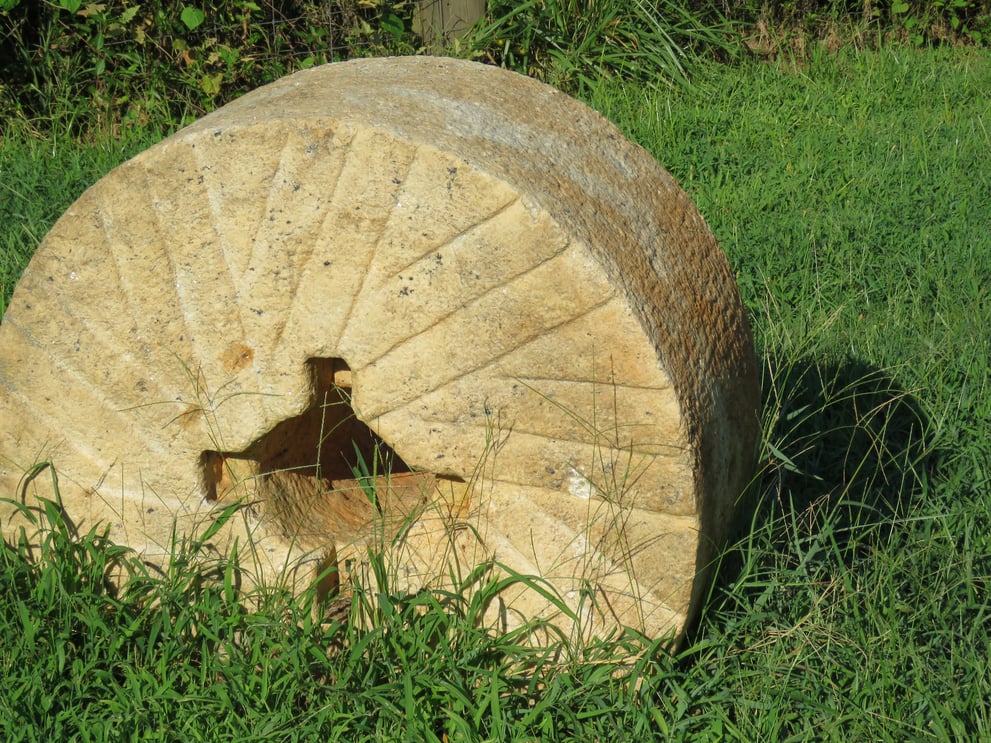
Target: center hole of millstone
323, 475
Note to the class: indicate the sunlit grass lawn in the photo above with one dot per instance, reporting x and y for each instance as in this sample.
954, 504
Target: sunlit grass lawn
852, 194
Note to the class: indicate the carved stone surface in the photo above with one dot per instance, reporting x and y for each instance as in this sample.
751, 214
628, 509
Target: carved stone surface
426, 263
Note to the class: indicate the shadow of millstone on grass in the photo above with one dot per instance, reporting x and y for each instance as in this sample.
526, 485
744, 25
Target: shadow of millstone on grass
841, 434
846, 450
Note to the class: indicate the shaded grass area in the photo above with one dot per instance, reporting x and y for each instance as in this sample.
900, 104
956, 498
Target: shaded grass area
851, 195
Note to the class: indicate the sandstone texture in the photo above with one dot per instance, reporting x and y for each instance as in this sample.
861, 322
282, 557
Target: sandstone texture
416, 303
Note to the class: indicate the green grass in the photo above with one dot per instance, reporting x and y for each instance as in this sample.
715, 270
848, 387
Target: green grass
852, 196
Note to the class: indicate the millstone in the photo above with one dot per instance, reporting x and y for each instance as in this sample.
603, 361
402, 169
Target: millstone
419, 303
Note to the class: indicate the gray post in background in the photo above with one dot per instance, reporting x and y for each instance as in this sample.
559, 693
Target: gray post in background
440, 21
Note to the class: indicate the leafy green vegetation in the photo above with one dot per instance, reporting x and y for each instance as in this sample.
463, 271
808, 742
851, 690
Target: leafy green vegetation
71, 65
154, 62
850, 193
134, 64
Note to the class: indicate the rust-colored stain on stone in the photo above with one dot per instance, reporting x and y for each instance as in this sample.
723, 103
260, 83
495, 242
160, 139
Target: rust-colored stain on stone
236, 357
189, 417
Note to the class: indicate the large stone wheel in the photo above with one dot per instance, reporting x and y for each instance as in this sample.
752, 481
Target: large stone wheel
431, 265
